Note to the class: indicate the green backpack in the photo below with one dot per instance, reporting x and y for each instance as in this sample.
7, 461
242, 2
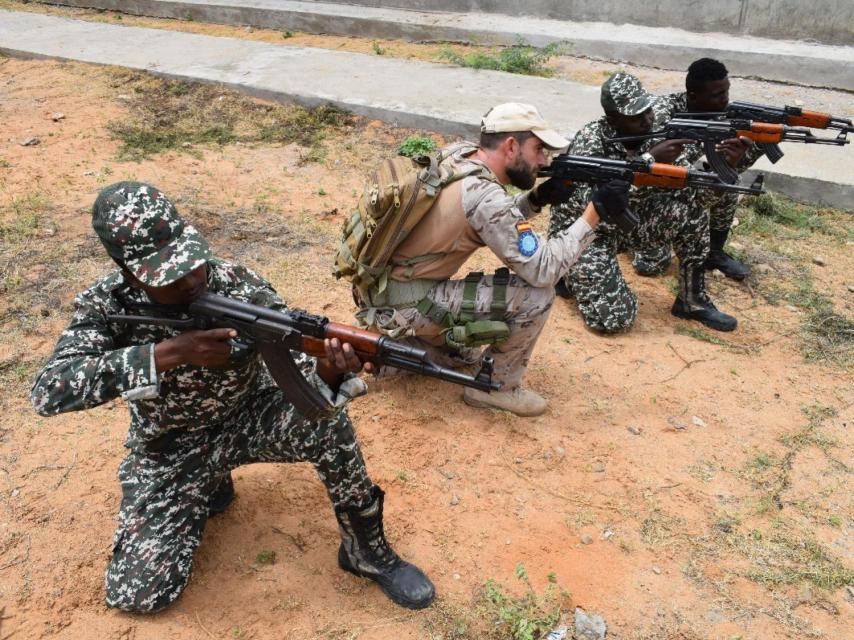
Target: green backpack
398, 195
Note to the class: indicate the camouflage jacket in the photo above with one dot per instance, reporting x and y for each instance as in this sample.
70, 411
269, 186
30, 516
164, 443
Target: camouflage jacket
667, 105
593, 140
96, 361
500, 221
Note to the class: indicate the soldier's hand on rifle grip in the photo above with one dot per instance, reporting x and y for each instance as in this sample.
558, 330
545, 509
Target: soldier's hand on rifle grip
668, 150
340, 358
197, 348
552, 191
611, 201
733, 149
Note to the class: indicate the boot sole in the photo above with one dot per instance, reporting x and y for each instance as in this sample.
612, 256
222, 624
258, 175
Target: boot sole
712, 325
408, 604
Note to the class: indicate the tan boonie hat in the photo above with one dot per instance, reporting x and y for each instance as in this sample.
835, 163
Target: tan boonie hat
515, 116
140, 228
624, 94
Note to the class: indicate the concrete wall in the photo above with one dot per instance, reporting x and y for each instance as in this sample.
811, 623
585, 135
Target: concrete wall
826, 21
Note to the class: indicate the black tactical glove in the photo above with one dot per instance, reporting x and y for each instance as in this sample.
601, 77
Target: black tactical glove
611, 201
552, 191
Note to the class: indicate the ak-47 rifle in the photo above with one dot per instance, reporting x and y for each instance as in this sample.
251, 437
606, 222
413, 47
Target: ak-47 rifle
791, 116
276, 333
570, 168
712, 132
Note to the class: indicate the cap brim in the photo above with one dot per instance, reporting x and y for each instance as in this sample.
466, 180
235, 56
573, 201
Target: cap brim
551, 138
638, 106
174, 261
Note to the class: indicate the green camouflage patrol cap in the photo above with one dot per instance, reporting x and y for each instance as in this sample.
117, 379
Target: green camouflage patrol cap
141, 229
624, 94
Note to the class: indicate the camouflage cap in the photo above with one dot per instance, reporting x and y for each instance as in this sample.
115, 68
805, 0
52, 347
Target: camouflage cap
624, 94
141, 228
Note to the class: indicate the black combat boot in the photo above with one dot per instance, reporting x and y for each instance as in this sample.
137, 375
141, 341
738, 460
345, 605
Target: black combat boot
693, 303
221, 496
365, 552
722, 261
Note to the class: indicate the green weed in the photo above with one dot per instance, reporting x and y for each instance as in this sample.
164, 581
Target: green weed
266, 557
526, 617
519, 58
415, 146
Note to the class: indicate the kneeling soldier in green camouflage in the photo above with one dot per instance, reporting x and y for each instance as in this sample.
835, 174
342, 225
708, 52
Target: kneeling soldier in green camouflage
667, 218
201, 407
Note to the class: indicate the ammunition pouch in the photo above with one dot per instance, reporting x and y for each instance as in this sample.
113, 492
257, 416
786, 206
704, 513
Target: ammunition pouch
476, 334
462, 329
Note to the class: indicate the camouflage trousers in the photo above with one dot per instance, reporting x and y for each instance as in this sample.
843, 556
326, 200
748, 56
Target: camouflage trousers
720, 207
166, 487
604, 298
527, 309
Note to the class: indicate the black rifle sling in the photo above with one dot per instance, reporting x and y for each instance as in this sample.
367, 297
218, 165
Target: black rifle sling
287, 374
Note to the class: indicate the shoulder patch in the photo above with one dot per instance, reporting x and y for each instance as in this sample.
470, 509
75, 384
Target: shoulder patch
528, 243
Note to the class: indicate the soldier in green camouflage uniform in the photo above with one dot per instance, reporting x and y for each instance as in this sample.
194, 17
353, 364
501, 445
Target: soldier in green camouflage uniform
707, 85
668, 217
201, 406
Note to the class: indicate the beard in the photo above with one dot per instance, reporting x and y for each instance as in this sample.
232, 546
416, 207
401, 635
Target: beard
522, 175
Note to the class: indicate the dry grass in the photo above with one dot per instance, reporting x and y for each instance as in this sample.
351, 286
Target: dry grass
174, 115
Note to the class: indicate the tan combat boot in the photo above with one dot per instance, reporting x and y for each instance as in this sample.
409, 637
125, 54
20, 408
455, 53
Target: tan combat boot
522, 402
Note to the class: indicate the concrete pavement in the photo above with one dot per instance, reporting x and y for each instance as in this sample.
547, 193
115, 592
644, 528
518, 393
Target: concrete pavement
413, 94
669, 48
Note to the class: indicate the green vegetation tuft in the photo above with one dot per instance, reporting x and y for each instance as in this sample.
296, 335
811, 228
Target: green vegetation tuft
771, 214
173, 115
415, 146
266, 557
526, 617
519, 58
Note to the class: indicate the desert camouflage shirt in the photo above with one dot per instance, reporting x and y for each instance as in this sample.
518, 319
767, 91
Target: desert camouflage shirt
665, 106
501, 222
96, 361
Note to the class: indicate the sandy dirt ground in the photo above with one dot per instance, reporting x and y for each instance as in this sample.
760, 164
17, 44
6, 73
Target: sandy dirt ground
680, 487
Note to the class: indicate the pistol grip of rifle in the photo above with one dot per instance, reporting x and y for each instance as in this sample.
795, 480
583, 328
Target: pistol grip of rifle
772, 151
